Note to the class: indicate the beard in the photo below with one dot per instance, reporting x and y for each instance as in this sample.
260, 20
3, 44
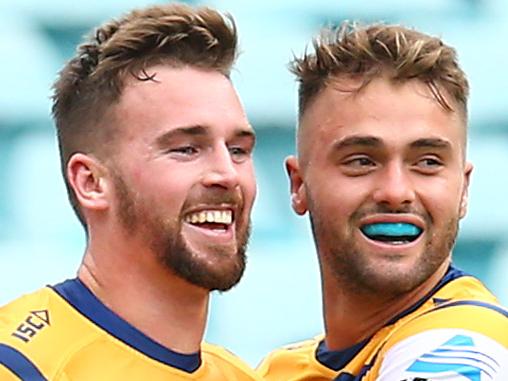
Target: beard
217, 271
360, 273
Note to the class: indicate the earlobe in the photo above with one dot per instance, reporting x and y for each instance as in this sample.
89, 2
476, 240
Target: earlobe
86, 177
297, 187
465, 191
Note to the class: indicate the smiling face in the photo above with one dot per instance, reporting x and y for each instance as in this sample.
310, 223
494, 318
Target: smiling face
183, 173
383, 176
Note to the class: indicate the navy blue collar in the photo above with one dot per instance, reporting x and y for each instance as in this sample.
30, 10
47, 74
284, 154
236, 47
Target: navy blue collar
82, 299
337, 360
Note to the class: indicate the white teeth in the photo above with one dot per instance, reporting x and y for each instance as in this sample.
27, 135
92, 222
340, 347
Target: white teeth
210, 216
227, 217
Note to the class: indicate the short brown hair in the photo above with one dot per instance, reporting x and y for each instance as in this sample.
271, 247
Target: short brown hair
92, 81
367, 52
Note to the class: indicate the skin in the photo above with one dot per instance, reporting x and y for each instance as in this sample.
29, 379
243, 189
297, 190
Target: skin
183, 145
389, 153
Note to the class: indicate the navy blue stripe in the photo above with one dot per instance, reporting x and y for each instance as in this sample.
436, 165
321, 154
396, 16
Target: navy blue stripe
82, 299
477, 303
337, 360
452, 274
18, 364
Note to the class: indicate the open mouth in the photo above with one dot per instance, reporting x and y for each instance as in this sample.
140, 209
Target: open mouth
219, 220
394, 233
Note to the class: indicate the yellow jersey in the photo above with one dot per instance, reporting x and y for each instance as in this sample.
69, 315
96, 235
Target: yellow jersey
457, 332
64, 333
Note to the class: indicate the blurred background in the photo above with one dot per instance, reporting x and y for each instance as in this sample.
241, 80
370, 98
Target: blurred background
278, 301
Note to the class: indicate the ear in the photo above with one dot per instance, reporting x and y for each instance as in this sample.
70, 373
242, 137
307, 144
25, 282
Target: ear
465, 191
297, 187
86, 176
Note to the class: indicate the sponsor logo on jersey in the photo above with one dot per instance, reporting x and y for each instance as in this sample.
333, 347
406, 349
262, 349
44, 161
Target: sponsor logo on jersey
33, 324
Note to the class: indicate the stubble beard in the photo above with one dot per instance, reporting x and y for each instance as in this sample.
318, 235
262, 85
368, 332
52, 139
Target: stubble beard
355, 271
166, 241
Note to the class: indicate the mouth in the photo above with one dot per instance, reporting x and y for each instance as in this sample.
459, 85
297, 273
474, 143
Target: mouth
219, 220
392, 233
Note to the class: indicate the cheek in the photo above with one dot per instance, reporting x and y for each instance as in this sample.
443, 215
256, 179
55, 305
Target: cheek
442, 202
248, 182
332, 202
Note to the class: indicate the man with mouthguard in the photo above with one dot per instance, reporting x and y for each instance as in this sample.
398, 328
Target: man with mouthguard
382, 171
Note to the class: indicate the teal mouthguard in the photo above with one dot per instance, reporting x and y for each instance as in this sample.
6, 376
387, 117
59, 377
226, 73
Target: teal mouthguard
397, 229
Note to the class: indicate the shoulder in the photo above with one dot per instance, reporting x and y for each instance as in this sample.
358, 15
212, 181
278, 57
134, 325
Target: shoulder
40, 332
25, 317
22, 322
463, 337
219, 357
293, 362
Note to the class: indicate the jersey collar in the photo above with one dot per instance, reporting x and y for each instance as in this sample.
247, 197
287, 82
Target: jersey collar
337, 360
86, 303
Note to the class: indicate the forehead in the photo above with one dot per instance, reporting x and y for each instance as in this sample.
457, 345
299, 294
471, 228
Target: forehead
179, 97
397, 113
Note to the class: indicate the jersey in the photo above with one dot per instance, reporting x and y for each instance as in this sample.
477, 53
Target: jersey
64, 333
457, 332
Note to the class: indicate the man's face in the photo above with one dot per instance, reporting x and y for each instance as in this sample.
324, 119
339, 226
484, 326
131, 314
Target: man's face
183, 173
383, 176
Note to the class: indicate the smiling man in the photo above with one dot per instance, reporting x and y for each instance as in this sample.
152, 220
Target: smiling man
382, 172
156, 152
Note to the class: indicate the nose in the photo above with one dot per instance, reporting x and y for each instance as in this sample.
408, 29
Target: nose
220, 169
395, 187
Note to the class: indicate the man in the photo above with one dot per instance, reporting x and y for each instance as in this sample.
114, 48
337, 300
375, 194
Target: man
156, 154
382, 171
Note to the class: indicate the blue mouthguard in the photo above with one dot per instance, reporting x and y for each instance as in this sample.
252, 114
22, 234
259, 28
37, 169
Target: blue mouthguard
397, 229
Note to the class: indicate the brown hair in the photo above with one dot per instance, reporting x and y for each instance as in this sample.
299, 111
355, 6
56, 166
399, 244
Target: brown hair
92, 81
367, 52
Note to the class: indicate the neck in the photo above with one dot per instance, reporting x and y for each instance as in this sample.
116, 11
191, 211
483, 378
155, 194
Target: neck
352, 317
130, 281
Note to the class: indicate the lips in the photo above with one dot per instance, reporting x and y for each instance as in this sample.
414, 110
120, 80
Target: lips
393, 232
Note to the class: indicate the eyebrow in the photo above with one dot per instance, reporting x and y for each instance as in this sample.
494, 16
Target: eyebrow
371, 141
431, 143
197, 130
357, 140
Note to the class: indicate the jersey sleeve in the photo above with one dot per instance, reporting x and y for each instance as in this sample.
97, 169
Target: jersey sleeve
446, 354
463, 343
16, 366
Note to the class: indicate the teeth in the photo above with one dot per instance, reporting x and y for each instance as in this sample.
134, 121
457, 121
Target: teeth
211, 216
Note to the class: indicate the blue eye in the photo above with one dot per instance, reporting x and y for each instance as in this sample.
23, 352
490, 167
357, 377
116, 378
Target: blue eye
239, 153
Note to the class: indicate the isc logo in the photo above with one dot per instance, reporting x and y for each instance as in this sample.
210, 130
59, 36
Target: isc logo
35, 321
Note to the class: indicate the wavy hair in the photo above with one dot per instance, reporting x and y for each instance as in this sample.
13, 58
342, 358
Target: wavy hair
92, 81
367, 52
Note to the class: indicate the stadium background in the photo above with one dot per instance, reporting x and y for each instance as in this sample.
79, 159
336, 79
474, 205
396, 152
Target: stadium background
278, 301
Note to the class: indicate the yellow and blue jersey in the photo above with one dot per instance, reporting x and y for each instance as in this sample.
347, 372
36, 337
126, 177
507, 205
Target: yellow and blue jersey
457, 332
64, 333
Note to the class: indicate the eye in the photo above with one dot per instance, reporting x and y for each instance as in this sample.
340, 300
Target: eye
429, 165
184, 150
361, 162
239, 154
358, 165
